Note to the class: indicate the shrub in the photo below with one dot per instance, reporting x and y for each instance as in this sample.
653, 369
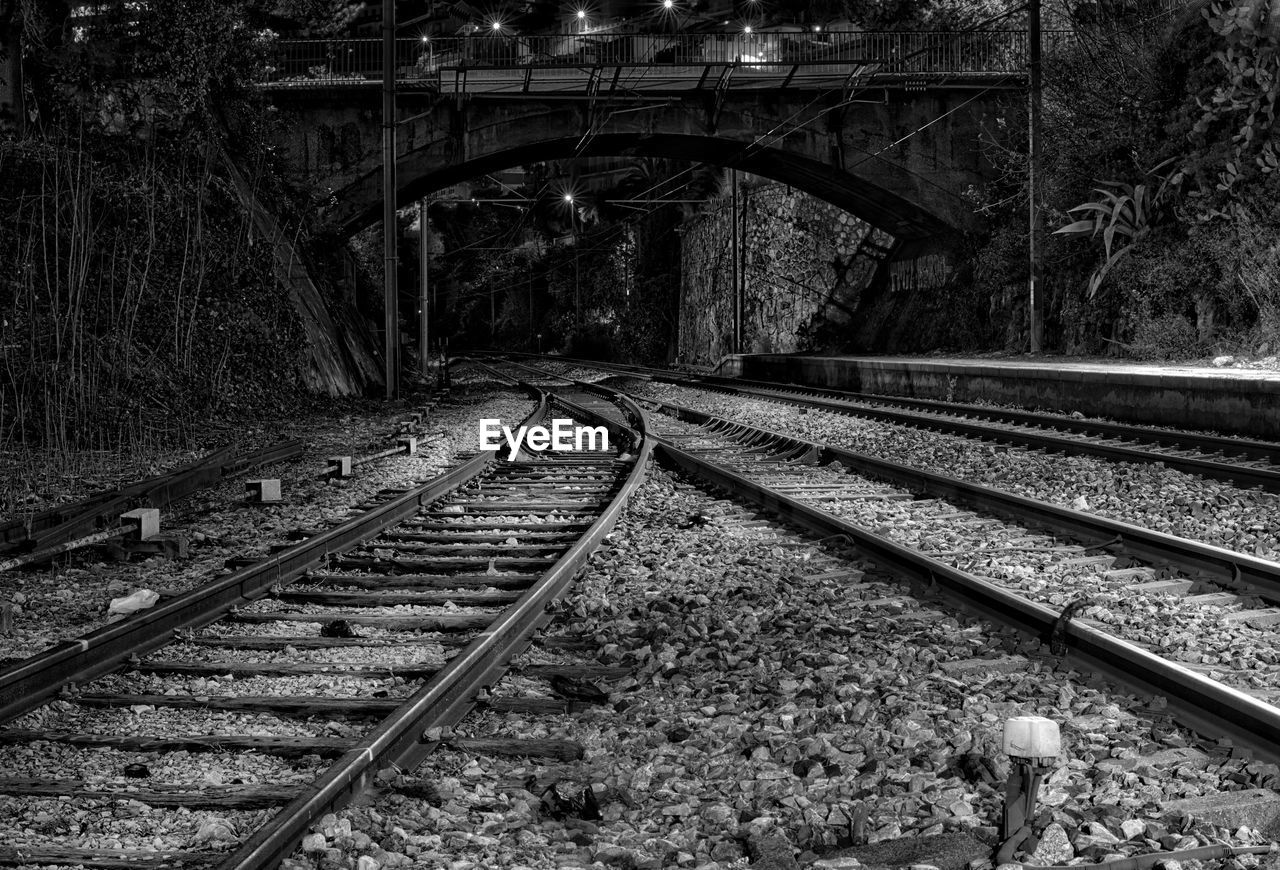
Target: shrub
136, 309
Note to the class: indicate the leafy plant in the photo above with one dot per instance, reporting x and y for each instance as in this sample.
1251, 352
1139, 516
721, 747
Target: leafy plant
1125, 210
1234, 126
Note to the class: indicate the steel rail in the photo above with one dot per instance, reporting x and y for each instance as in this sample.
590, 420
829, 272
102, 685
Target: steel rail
1228, 567
400, 740
1206, 443
1202, 704
510, 381
267, 455
64, 522
842, 403
1249, 447
29, 683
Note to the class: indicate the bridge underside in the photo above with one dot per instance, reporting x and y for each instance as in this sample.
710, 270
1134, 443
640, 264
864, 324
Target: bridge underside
898, 160
360, 203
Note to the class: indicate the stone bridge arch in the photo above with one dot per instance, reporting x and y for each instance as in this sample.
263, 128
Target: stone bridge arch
899, 159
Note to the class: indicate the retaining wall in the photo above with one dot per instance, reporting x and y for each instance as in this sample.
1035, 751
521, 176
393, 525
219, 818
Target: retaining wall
1231, 401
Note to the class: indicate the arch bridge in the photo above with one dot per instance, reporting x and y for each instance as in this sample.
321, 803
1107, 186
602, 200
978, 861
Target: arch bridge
883, 124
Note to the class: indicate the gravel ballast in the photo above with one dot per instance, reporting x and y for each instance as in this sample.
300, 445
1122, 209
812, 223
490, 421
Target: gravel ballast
780, 689
69, 598
1148, 495
1034, 565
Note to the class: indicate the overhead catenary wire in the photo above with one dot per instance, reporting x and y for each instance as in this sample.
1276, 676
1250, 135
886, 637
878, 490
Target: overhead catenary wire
771, 136
756, 145
776, 133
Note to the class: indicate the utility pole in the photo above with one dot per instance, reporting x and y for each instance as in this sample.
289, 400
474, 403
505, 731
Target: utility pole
391, 304
733, 255
742, 275
1035, 298
424, 344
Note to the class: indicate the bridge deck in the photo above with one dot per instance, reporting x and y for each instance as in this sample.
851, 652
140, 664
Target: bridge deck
652, 65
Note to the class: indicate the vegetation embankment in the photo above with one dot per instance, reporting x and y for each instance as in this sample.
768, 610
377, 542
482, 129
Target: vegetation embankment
1161, 194
139, 300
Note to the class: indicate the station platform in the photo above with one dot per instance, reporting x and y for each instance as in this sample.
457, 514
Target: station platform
1239, 401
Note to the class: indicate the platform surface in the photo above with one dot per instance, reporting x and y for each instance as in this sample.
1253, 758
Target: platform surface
1074, 363
1241, 400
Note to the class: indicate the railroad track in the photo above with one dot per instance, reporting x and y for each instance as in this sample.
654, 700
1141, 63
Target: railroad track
797, 481
1244, 462
319, 667
58, 525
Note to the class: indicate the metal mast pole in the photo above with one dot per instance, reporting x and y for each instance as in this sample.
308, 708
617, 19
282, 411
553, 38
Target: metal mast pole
424, 344
1035, 299
391, 304
742, 274
733, 254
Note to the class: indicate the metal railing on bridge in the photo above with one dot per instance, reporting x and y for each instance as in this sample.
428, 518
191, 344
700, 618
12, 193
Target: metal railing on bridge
775, 56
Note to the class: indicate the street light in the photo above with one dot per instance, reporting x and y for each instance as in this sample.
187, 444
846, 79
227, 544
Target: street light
668, 13
577, 297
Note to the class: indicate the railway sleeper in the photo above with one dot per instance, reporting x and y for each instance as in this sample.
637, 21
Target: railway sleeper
436, 622
497, 526
283, 642
422, 581
242, 670
285, 705
106, 859
440, 564
524, 507
478, 537
458, 548
195, 796
284, 747
392, 599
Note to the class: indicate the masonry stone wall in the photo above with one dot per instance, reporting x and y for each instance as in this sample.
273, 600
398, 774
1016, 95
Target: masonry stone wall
803, 273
